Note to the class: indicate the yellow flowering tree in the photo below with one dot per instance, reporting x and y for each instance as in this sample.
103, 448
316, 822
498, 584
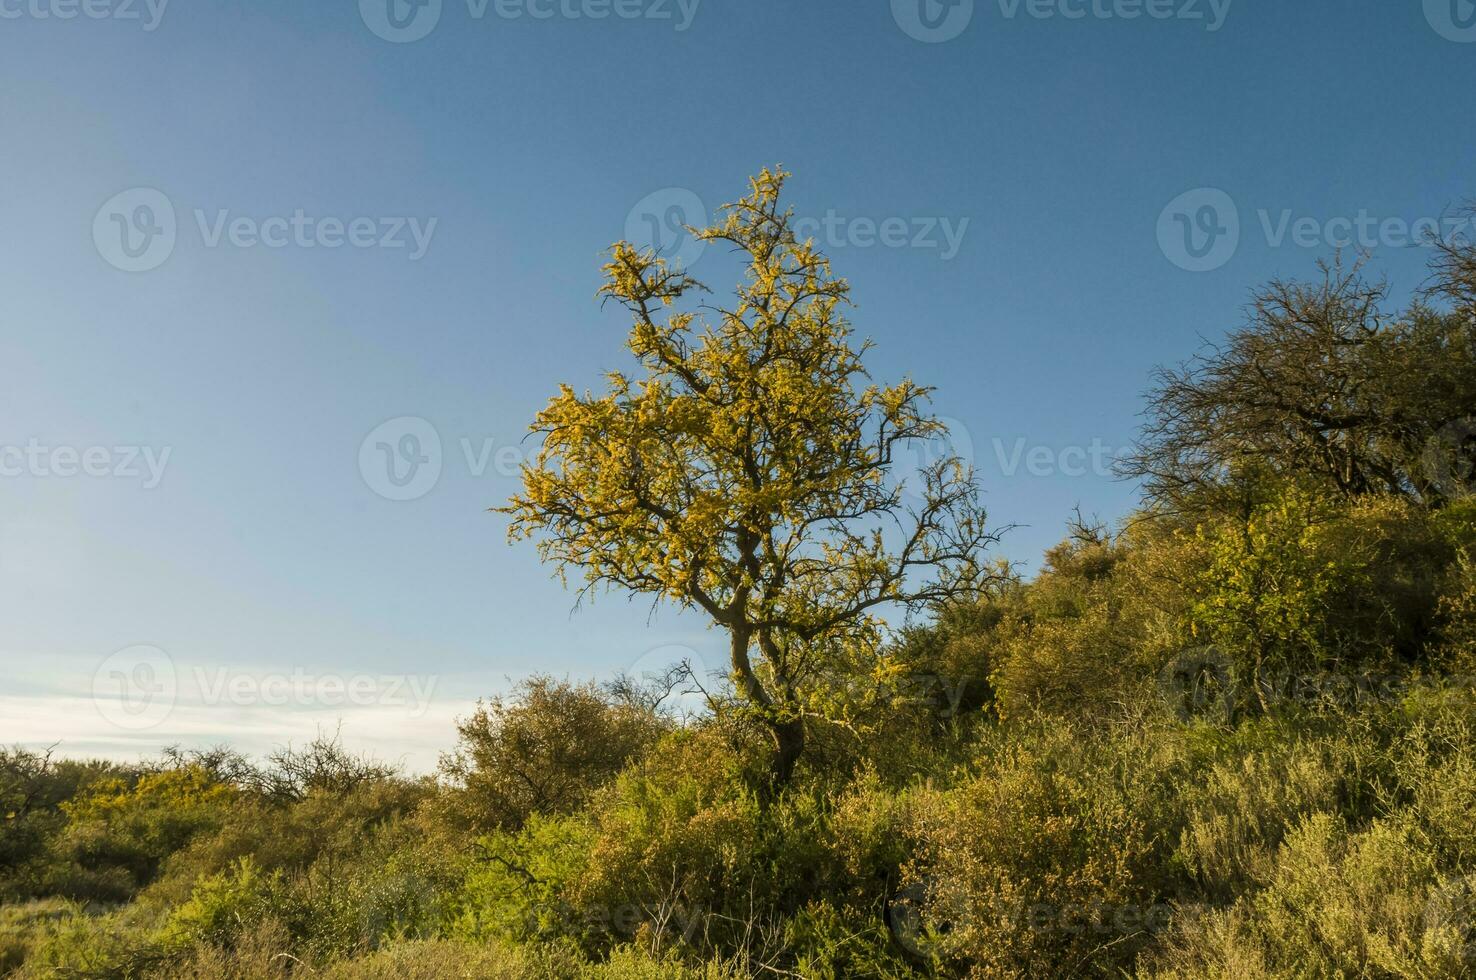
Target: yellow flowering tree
743, 471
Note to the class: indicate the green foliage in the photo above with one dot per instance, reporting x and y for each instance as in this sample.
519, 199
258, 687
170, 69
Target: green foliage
1292, 843
1457, 607
675, 839
1088, 635
1053, 851
542, 750
1243, 802
223, 905
120, 832
1339, 903
33, 787
1234, 737
1262, 589
23, 926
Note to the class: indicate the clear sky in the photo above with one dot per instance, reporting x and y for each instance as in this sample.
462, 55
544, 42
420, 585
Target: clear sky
255, 254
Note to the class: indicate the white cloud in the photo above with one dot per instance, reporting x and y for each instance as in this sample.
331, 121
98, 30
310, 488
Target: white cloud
389, 732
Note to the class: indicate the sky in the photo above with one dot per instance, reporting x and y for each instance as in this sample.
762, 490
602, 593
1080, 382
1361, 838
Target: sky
284, 284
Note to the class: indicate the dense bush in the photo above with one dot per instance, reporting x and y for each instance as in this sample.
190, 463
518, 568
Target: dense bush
542, 751
1314, 840
1070, 808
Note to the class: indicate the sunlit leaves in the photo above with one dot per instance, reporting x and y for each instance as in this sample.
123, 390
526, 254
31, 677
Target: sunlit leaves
743, 470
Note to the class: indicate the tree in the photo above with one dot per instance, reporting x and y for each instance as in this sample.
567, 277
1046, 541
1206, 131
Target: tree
744, 471
321, 766
1322, 381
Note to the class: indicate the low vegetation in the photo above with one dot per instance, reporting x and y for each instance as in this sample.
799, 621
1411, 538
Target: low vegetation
1233, 736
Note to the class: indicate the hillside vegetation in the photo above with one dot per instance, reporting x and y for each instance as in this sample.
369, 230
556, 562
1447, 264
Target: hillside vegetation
1232, 736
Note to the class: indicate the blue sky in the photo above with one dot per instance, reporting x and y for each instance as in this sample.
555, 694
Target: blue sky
183, 445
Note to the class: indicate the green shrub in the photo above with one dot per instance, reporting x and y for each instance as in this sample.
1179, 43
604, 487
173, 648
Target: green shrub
121, 831
1339, 903
1239, 808
1052, 853
542, 750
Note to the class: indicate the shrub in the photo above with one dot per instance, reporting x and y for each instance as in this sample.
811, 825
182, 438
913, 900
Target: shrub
33, 788
671, 841
1052, 854
1339, 903
121, 831
1245, 800
542, 750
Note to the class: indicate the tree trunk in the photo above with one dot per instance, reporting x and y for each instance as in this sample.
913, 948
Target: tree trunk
789, 744
787, 733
